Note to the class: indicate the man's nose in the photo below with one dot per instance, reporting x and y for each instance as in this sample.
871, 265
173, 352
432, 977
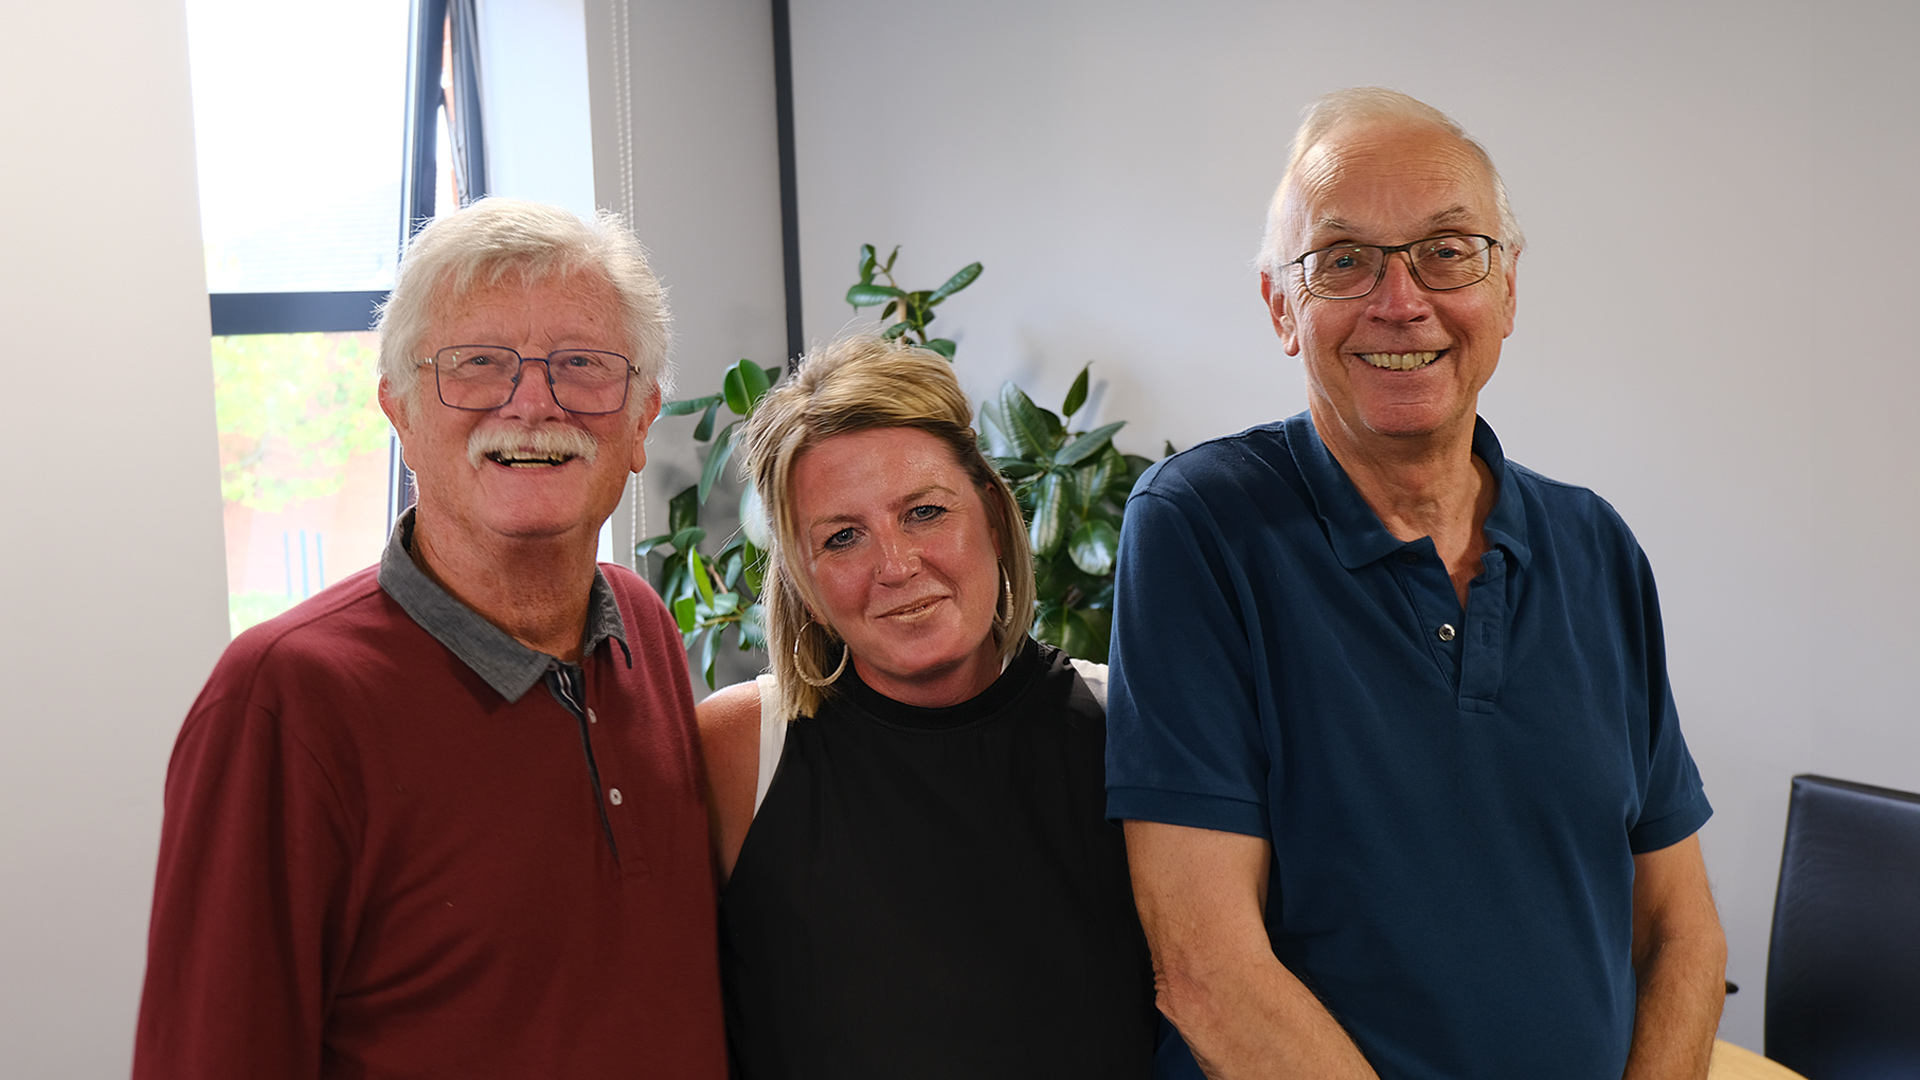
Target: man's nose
532, 392
1399, 297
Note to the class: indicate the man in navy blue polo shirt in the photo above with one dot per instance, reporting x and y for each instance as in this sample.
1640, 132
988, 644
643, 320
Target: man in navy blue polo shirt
1404, 788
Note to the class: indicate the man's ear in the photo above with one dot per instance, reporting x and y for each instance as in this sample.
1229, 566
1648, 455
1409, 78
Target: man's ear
1513, 291
642, 422
399, 410
1280, 310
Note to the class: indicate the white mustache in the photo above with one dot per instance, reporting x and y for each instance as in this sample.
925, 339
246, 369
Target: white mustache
545, 440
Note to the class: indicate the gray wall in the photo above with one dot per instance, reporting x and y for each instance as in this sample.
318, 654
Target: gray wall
1718, 198
113, 593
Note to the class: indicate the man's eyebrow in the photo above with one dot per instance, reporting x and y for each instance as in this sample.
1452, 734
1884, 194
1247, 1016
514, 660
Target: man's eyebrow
1450, 216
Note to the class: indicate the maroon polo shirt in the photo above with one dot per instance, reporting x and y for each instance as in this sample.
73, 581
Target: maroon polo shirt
387, 852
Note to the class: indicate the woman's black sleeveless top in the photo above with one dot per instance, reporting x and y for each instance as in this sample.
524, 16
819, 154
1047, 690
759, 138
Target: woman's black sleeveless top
932, 893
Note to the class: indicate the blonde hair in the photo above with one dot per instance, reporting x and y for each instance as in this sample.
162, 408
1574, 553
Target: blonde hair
1373, 105
859, 384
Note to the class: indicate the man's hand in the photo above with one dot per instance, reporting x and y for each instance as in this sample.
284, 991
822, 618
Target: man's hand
1243, 1014
1679, 962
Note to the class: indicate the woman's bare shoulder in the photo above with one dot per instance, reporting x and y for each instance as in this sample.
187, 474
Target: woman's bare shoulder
730, 707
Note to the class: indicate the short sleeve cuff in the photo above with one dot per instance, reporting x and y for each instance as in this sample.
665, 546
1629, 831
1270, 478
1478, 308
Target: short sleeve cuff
1667, 830
1187, 809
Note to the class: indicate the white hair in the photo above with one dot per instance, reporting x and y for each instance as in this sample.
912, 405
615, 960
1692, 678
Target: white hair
484, 242
1373, 105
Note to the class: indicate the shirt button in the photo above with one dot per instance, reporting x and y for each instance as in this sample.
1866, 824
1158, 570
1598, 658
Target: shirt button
613, 796
592, 719
1410, 558
1446, 634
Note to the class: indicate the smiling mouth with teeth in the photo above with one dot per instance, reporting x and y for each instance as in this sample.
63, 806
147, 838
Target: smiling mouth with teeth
1406, 361
525, 460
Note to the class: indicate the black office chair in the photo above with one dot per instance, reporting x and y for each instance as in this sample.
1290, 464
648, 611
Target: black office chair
1843, 971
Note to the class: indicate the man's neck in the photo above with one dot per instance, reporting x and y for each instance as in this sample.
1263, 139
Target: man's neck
534, 590
1432, 486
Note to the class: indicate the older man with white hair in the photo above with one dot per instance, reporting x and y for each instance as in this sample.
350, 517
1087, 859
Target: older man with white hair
444, 818
1404, 787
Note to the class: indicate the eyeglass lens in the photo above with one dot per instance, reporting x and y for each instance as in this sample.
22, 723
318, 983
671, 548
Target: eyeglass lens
484, 376
1439, 263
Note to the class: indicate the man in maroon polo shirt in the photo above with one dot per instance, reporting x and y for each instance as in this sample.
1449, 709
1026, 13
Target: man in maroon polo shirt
443, 819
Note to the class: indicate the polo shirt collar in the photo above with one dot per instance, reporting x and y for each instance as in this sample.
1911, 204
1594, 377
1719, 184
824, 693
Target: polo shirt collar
1355, 531
508, 666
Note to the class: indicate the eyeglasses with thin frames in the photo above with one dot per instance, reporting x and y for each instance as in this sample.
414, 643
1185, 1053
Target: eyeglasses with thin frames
481, 378
1439, 263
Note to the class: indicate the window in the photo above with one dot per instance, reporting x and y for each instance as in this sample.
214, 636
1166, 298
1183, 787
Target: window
321, 132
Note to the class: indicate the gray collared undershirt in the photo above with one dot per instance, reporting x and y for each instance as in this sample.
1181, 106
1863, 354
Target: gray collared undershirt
506, 665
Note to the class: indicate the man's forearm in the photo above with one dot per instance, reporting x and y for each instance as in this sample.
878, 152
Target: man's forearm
1240, 1011
1679, 963
1259, 1021
1682, 988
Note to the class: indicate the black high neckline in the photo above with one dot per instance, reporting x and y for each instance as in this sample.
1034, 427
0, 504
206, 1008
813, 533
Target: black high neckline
1003, 691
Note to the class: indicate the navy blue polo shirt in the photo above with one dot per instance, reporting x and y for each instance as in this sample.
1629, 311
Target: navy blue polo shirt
1454, 796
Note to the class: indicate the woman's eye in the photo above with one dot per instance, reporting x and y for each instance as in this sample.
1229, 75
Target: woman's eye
926, 512
838, 540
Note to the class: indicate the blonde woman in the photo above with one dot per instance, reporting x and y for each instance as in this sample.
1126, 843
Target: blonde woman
908, 812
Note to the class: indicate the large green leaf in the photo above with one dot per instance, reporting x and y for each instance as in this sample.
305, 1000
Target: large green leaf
941, 345
1023, 423
689, 406
703, 430
868, 263
1096, 477
1049, 525
1087, 444
754, 563
753, 626
706, 654
960, 280
744, 384
1077, 393
756, 380
1093, 547
683, 613
717, 460
869, 294
683, 510
1086, 634
697, 569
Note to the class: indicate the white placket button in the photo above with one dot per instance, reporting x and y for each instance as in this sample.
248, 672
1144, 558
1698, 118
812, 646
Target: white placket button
592, 719
613, 796
1446, 631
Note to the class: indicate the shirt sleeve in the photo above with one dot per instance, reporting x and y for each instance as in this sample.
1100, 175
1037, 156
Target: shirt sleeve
1674, 803
1184, 739
249, 901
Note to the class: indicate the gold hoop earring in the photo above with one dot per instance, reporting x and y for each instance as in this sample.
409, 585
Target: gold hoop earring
800, 667
1005, 619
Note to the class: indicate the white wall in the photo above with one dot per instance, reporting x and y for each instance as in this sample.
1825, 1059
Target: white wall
112, 601
1712, 323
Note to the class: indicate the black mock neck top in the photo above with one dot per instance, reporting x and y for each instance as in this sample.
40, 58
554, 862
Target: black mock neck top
937, 893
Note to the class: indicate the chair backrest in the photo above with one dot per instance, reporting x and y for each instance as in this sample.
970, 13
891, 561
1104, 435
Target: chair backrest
1843, 971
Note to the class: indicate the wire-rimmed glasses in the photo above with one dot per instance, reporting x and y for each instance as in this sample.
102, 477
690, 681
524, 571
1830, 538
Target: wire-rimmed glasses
1440, 263
480, 378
